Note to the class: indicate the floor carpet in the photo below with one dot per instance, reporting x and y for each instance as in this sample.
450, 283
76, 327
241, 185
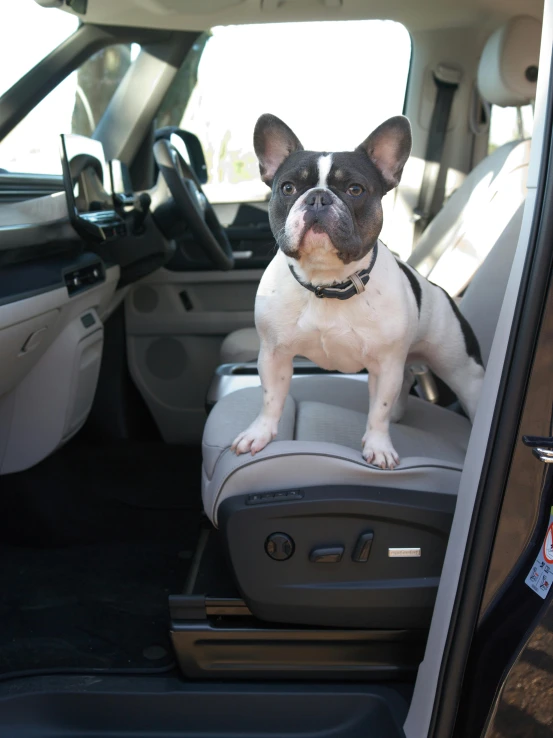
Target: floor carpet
92, 542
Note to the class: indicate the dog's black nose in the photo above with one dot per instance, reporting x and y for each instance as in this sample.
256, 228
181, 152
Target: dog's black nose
318, 200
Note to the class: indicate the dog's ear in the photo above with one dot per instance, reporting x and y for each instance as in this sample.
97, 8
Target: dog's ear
388, 147
273, 142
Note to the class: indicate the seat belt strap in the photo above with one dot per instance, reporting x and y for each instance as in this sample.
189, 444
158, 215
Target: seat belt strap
447, 82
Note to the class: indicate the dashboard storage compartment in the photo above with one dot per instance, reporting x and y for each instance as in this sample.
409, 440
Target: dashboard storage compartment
53, 401
86, 368
22, 344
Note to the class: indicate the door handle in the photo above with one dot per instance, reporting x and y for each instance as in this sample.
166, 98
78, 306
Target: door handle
542, 447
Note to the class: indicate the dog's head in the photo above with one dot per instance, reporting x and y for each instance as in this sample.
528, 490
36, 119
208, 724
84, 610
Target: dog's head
326, 204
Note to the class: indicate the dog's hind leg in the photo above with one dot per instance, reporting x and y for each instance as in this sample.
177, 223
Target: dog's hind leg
465, 379
455, 356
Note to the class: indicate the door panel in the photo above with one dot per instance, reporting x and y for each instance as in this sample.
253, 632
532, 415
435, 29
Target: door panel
176, 322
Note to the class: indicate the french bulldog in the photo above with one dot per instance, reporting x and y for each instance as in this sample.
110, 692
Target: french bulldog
336, 295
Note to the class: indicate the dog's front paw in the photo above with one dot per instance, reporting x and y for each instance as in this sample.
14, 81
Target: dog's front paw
378, 450
256, 437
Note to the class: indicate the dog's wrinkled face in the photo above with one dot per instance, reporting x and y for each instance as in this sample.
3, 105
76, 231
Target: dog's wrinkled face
325, 203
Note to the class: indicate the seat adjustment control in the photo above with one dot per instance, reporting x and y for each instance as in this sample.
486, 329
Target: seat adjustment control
363, 547
260, 498
279, 546
329, 555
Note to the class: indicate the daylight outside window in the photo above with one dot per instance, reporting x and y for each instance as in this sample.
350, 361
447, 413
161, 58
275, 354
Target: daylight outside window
245, 71
76, 105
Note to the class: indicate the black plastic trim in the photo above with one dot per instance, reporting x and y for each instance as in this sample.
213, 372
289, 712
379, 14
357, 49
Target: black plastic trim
165, 707
246, 648
22, 281
34, 86
386, 591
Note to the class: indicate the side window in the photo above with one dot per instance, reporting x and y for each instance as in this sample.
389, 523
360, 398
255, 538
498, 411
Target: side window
509, 124
240, 75
74, 106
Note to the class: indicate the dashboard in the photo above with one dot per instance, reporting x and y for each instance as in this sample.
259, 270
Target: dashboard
94, 221
66, 258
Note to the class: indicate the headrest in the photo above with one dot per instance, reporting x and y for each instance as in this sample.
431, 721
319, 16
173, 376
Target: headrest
509, 64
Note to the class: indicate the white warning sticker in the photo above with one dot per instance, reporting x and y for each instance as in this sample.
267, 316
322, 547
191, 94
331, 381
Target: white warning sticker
541, 573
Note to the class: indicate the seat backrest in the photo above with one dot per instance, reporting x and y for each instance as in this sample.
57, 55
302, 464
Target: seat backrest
466, 229
481, 303
469, 225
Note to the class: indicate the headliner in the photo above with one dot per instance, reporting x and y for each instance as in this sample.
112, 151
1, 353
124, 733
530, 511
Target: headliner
416, 15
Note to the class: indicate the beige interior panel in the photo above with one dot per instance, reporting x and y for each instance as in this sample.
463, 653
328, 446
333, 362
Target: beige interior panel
49, 370
176, 322
199, 14
459, 48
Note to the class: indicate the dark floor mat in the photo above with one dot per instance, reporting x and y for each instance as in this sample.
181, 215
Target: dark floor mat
93, 540
91, 607
116, 492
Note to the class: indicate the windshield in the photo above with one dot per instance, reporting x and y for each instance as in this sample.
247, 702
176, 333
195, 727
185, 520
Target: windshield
29, 33
283, 68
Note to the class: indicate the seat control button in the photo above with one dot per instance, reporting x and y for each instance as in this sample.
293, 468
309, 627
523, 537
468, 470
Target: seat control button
330, 555
279, 546
363, 547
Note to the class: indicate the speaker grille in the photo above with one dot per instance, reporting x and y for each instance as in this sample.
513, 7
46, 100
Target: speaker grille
166, 358
145, 299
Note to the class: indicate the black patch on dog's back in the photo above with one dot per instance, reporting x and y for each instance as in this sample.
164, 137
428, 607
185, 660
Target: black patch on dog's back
471, 342
413, 281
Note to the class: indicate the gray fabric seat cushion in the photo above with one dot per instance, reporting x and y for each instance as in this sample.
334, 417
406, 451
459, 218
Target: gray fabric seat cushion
319, 442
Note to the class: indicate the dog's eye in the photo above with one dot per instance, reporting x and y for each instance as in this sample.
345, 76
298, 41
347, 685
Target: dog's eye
355, 190
288, 189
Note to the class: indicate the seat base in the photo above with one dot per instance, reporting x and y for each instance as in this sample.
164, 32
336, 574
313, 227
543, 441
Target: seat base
339, 556
217, 636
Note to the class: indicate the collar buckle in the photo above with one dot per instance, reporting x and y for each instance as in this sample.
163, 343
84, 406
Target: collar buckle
319, 291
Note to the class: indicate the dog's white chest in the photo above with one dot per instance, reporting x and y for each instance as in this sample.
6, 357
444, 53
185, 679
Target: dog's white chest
335, 336
340, 335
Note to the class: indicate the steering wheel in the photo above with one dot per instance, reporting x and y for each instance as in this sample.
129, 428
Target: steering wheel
193, 205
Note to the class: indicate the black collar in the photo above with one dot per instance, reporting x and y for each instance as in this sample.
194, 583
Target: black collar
354, 285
